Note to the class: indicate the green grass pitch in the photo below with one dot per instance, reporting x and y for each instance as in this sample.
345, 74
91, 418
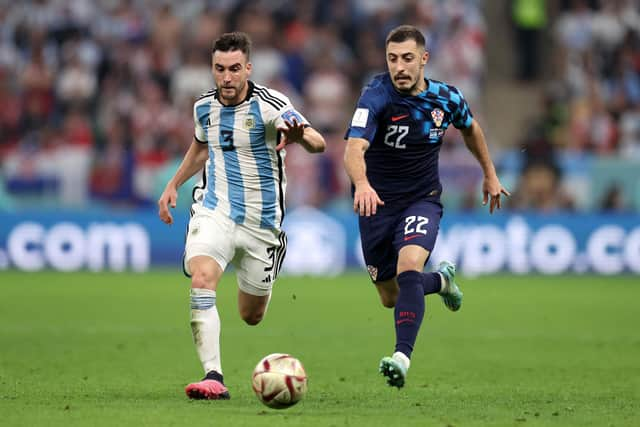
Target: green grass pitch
115, 350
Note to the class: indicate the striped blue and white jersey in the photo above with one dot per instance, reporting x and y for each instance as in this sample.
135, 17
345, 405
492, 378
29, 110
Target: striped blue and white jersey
244, 177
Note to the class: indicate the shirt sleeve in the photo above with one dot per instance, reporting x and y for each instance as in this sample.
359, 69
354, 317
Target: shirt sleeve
199, 133
288, 113
364, 122
462, 117
281, 110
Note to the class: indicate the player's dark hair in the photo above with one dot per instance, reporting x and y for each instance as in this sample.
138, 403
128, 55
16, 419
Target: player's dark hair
233, 41
404, 33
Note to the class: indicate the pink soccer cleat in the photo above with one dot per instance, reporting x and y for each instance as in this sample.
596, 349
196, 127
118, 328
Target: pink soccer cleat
207, 389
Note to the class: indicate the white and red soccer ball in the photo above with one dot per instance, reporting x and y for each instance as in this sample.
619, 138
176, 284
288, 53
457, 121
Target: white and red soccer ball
279, 380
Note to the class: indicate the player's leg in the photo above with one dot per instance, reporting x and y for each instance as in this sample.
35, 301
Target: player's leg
380, 257
258, 261
388, 291
414, 239
206, 252
408, 313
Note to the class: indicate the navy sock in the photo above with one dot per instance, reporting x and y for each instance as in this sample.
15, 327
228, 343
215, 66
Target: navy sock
409, 310
431, 282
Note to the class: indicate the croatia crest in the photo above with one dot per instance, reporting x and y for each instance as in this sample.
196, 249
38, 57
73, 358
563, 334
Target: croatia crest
373, 272
437, 115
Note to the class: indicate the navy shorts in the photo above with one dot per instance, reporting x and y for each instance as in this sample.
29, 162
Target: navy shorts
385, 233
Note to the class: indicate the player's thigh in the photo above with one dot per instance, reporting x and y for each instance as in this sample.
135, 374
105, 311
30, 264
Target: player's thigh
209, 235
416, 233
259, 257
376, 237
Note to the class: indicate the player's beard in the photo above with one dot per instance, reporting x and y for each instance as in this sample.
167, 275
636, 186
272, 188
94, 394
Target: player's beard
236, 92
406, 89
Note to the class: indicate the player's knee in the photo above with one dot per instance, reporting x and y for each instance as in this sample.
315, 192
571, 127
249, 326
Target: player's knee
409, 263
202, 279
388, 301
252, 318
388, 298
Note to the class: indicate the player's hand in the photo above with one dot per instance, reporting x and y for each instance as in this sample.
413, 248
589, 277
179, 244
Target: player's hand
366, 200
491, 187
168, 198
291, 134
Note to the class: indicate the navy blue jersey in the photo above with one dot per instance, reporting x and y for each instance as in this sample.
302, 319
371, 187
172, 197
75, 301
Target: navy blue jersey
405, 135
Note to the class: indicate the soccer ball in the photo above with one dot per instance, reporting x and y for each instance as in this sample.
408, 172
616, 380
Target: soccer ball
279, 380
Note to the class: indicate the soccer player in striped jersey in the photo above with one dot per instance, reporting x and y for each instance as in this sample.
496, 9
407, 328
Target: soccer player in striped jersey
241, 129
391, 157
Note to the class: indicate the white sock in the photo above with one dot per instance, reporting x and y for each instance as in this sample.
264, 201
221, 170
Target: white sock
443, 284
402, 358
205, 327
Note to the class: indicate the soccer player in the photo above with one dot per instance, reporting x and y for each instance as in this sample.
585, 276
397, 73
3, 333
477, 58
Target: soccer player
241, 129
391, 156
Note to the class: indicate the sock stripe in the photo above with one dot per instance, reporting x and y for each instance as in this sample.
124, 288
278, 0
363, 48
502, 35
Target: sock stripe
202, 302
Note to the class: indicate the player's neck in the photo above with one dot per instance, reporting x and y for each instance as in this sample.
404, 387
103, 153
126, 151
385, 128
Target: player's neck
420, 87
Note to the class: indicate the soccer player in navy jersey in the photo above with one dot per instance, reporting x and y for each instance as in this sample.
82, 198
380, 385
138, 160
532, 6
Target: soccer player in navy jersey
241, 129
391, 157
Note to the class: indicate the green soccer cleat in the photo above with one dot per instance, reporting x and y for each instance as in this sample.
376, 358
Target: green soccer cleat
450, 294
394, 369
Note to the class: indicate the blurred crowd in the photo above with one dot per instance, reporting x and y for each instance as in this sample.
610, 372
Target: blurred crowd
583, 151
96, 96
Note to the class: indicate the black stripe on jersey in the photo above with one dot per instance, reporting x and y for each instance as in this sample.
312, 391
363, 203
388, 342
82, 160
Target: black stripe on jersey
267, 96
196, 187
268, 101
212, 92
280, 177
273, 96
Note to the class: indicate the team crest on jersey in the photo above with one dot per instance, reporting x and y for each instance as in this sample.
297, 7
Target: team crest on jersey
249, 122
437, 115
373, 272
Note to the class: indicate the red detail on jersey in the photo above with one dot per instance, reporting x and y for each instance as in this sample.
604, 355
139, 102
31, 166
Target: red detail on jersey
411, 237
396, 118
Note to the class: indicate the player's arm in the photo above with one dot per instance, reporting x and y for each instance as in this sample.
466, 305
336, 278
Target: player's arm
475, 141
365, 198
296, 132
193, 161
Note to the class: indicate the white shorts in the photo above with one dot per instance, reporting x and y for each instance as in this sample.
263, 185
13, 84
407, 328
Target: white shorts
255, 252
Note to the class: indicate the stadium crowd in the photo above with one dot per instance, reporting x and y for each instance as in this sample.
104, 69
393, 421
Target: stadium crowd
96, 96
583, 151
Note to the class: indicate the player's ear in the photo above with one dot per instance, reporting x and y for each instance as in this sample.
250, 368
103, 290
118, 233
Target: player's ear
249, 67
425, 57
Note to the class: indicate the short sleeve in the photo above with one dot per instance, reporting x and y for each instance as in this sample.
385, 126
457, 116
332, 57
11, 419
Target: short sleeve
364, 122
462, 117
199, 133
279, 108
289, 113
